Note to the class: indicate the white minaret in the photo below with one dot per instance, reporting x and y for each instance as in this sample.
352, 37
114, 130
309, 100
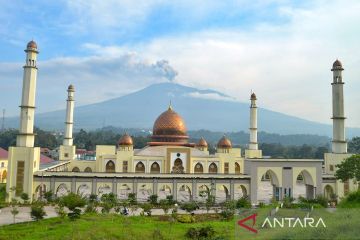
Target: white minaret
25, 137
253, 144
68, 138
339, 144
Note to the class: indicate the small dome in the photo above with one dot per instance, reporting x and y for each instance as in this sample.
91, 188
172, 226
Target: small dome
31, 45
71, 88
126, 140
337, 65
202, 143
224, 142
253, 96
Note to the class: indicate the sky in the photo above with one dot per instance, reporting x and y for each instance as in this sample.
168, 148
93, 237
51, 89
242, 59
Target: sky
282, 50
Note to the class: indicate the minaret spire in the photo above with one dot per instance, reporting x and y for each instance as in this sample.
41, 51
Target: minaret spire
25, 137
69, 121
339, 144
253, 144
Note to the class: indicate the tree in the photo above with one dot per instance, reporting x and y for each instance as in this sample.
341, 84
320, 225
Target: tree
132, 198
14, 211
73, 202
108, 201
165, 205
37, 211
24, 197
153, 199
354, 145
349, 169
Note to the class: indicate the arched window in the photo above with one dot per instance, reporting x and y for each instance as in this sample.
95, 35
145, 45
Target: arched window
2, 164
110, 167
88, 169
75, 169
198, 168
140, 168
155, 168
213, 168
178, 166
237, 168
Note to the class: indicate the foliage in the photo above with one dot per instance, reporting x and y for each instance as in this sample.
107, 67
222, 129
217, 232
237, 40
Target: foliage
108, 201
170, 199
165, 205
153, 199
227, 214
147, 208
14, 211
60, 211
189, 206
349, 169
243, 202
73, 202
354, 145
24, 197
319, 201
185, 218
2, 192
352, 200
132, 198
207, 232
49, 196
37, 211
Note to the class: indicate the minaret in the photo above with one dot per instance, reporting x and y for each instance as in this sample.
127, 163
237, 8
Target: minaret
25, 137
24, 159
253, 149
339, 144
69, 123
67, 149
253, 144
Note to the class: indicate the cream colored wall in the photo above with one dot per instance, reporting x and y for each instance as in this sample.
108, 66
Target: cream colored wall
262, 170
333, 159
82, 164
69, 150
310, 170
31, 158
253, 153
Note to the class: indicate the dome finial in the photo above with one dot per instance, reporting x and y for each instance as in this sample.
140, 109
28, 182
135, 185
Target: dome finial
170, 106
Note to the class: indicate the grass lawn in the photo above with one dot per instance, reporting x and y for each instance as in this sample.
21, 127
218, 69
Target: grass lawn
110, 226
340, 224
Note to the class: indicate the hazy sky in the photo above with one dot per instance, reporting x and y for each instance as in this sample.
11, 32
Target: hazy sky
282, 50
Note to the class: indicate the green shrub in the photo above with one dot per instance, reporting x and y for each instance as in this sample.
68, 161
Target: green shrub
24, 197
185, 218
48, 196
147, 208
165, 205
243, 202
37, 211
132, 198
227, 214
153, 199
318, 201
200, 233
73, 202
189, 206
352, 200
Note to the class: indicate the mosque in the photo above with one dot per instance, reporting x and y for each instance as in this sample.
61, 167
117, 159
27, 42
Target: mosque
170, 164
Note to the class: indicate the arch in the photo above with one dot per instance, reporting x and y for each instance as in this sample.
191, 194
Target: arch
104, 189
184, 193
198, 168
155, 168
75, 169
222, 194
88, 169
203, 192
178, 166
110, 167
213, 168
124, 191
237, 168
62, 190
268, 186
303, 185
328, 191
140, 168
164, 191
143, 193
2, 164
240, 191
84, 190
40, 191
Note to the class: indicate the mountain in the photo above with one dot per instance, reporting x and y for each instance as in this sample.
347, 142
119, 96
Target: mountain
201, 109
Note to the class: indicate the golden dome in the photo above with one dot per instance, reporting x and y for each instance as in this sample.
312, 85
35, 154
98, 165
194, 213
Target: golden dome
224, 142
169, 127
126, 139
202, 143
31, 44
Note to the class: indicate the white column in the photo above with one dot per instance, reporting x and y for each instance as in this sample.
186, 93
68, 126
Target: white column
253, 144
69, 120
339, 144
25, 138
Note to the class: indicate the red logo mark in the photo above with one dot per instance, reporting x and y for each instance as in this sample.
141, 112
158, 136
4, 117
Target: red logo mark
253, 217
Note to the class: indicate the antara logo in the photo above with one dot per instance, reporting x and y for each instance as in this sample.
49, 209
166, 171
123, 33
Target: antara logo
282, 222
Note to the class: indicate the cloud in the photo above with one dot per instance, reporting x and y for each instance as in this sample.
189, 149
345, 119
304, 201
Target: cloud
210, 96
96, 78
